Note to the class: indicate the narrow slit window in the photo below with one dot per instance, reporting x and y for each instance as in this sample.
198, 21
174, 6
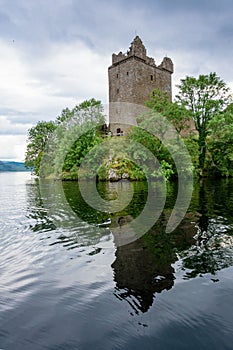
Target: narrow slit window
117, 75
151, 77
117, 91
127, 73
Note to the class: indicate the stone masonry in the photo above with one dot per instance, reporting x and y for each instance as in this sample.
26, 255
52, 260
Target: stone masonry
132, 78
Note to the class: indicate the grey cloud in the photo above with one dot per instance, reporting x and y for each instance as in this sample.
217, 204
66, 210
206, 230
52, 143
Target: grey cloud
108, 24
197, 35
201, 26
13, 129
13, 112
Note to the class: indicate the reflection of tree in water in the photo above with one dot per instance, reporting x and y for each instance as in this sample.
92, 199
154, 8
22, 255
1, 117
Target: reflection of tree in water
204, 219
144, 267
36, 212
47, 212
203, 242
213, 248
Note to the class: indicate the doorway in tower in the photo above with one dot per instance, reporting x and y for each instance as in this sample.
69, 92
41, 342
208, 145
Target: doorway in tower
119, 132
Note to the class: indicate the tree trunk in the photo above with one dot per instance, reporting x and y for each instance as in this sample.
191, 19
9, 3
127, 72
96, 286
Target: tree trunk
202, 152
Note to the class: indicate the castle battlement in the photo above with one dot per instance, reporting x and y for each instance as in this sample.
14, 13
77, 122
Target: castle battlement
132, 78
138, 50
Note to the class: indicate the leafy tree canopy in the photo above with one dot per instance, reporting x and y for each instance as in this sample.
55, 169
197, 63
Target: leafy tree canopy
176, 113
38, 136
72, 133
220, 142
205, 97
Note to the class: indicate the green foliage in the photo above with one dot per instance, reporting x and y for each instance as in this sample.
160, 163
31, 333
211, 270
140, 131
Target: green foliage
59, 146
72, 174
167, 169
154, 149
205, 97
191, 143
66, 114
121, 166
78, 134
113, 157
38, 137
220, 143
81, 148
165, 146
176, 113
146, 156
203, 100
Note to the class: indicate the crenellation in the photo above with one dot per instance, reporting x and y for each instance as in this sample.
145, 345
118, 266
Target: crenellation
119, 57
150, 61
167, 64
132, 78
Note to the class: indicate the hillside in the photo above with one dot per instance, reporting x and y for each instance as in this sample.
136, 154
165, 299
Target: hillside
12, 166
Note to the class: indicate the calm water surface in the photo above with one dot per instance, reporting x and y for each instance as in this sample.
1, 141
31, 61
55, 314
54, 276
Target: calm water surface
66, 285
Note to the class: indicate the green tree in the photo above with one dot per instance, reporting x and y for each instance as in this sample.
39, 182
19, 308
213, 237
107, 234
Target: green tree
63, 143
176, 113
79, 130
66, 114
205, 97
166, 146
220, 143
37, 140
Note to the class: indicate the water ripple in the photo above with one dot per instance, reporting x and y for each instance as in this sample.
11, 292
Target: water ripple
66, 286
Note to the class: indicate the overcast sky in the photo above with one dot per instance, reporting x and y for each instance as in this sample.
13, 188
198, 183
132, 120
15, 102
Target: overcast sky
55, 53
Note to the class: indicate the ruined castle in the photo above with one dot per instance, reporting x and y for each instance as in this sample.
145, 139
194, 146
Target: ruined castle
132, 78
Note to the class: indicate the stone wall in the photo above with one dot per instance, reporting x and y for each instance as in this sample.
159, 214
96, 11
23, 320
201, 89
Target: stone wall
132, 78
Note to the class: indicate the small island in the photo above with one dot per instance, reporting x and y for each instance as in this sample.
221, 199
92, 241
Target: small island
146, 129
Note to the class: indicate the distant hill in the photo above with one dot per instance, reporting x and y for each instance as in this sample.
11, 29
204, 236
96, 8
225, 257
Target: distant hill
12, 166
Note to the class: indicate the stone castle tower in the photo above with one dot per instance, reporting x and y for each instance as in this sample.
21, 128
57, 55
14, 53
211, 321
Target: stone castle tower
132, 78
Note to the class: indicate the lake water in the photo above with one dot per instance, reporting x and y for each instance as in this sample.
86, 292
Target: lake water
66, 284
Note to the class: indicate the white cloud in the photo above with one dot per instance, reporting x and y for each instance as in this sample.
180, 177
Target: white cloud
7, 127
64, 75
39, 89
72, 70
12, 147
53, 57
